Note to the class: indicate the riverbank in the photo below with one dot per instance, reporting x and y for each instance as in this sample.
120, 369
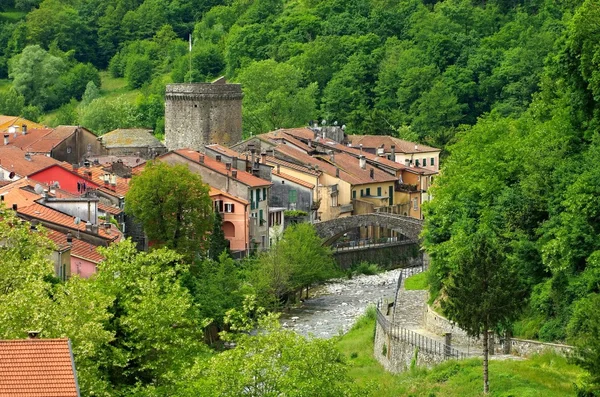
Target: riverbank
548, 375
333, 308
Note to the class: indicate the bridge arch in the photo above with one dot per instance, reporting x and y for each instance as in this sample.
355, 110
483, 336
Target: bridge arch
331, 230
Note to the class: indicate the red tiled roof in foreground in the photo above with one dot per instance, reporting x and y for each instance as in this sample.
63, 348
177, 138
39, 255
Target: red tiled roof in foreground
37, 368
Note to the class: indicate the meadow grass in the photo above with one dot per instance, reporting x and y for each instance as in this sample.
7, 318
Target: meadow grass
547, 375
416, 282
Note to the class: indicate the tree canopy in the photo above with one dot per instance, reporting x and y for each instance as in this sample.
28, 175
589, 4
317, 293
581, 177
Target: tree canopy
173, 206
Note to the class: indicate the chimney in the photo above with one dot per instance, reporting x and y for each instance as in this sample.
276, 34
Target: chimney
218, 158
380, 150
113, 180
69, 238
271, 152
310, 143
416, 147
234, 174
28, 156
234, 162
278, 169
34, 224
201, 159
332, 156
252, 151
88, 226
372, 173
94, 229
24, 129
228, 166
6, 139
33, 334
14, 206
45, 194
263, 157
86, 164
362, 162
337, 172
360, 145
393, 156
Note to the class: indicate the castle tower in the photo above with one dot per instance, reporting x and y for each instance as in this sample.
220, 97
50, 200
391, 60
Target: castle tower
199, 114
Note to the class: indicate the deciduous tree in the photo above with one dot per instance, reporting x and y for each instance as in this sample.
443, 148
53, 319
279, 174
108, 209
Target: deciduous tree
173, 206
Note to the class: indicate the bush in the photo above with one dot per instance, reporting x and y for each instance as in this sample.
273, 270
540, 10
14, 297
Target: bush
138, 71
366, 268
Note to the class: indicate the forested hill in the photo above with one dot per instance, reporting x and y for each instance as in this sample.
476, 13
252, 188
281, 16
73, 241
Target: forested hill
418, 68
510, 89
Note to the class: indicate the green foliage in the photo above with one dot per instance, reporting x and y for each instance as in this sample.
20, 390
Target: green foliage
106, 114
138, 71
218, 243
11, 102
91, 92
417, 282
273, 362
294, 213
277, 102
366, 268
173, 206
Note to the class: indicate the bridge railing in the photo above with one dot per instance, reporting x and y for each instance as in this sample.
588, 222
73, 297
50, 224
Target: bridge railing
424, 343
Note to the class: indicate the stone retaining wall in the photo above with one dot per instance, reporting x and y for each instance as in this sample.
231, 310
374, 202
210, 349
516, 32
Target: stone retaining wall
440, 325
396, 355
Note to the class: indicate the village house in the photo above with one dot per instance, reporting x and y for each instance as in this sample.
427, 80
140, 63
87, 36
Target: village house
16, 163
14, 124
238, 183
235, 217
70, 144
132, 142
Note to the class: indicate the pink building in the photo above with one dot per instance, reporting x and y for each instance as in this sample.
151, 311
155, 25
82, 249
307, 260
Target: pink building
234, 213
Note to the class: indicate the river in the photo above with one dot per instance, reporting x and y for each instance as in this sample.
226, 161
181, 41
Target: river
333, 307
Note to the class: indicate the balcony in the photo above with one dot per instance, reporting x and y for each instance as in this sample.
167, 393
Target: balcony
405, 187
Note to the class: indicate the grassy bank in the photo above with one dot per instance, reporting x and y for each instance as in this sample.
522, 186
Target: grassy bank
416, 282
547, 375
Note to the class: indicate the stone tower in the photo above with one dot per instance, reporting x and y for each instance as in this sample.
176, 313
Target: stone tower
199, 114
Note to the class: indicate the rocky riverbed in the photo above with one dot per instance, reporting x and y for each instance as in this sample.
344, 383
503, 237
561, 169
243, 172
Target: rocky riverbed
333, 307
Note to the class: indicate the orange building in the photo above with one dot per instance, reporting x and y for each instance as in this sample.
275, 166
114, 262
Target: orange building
234, 214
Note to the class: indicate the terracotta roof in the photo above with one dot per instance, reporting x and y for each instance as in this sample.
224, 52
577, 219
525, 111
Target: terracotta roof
293, 179
301, 133
293, 166
13, 159
98, 172
242, 176
79, 248
37, 368
222, 149
8, 121
58, 218
281, 136
216, 192
349, 168
402, 146
43, 140
130, 137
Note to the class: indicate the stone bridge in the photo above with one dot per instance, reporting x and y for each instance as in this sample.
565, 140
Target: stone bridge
333, 229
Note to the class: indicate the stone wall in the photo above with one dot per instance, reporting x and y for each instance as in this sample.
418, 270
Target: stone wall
398, 351
199, 114
437, 324
440, 325
526, 348
400, 255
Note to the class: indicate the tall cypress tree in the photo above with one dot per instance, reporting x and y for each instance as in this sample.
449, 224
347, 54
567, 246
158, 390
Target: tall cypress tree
218, 242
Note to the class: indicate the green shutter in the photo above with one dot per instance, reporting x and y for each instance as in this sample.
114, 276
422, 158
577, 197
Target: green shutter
354, 194
379, 191
368, 191
391, 194
293, 196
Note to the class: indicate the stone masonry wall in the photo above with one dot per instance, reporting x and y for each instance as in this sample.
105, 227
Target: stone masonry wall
437, 324
397, 355
199, 114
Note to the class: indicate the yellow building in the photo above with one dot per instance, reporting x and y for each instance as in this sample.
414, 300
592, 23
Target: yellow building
14, 124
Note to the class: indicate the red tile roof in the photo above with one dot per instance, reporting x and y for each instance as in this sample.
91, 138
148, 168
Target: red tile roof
58, 218
243, 176
37, 368
297, 167
43, 140
79, 248
216, 192
349, 168
293, 179
402, 146
301, 133
222, 149
281, 136
13, 159
97, 172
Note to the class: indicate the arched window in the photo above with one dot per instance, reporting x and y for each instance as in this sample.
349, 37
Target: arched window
228, 229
